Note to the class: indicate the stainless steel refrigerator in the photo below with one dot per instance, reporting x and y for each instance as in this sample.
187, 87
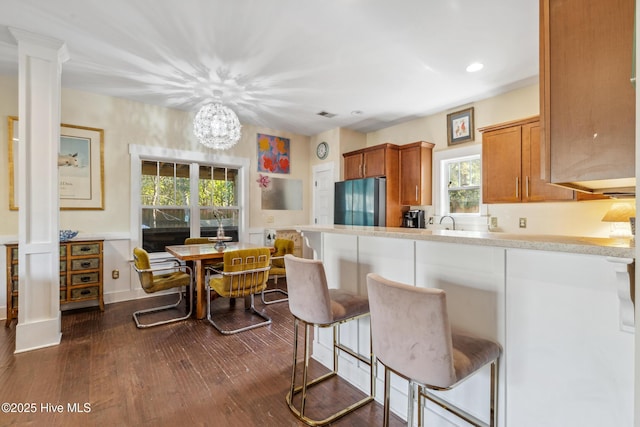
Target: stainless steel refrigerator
360, 202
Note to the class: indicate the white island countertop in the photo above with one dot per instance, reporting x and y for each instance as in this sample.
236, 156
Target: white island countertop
603, 246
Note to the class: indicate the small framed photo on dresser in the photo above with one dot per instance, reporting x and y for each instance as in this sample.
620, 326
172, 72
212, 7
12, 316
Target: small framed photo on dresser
460, 126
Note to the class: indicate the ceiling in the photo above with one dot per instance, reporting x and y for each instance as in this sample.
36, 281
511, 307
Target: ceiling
279, 63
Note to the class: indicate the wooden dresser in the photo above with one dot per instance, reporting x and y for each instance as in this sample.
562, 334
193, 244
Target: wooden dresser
81, 277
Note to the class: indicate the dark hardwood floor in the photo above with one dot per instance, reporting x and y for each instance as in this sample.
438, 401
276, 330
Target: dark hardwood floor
184, 373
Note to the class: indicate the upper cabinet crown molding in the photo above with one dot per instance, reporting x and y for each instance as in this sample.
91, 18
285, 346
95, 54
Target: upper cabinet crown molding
587, 100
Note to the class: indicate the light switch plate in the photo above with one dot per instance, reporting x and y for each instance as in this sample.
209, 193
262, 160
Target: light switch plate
523, 222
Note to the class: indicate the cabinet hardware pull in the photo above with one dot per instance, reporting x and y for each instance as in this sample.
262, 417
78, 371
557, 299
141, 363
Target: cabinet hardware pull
517, 187
85, 279
85, 248
364, 170
85, 292
416, 192
85, 264
527, 186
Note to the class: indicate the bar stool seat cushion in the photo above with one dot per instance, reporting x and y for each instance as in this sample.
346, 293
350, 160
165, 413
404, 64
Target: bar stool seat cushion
470, 353
345, 305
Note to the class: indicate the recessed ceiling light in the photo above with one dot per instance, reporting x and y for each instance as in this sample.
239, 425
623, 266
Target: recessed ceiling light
475, 66
356, 113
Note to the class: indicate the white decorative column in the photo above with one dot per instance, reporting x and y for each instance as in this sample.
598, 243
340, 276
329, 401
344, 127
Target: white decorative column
40, 68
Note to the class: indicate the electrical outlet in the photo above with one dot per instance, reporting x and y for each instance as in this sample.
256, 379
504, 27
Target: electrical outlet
115, 274
494, 222
523, 222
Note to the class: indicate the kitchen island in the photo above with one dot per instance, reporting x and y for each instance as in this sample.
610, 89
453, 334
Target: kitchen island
561, 307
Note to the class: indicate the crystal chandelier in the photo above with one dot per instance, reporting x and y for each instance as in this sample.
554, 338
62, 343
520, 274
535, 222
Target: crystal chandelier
217, 126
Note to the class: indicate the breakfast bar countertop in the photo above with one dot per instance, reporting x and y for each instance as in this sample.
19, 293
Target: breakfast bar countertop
603, 246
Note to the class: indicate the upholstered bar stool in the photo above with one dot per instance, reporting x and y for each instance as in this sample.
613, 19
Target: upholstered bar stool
312, 302
412, 337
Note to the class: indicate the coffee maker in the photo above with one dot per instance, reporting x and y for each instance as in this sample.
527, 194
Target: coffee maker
413, 218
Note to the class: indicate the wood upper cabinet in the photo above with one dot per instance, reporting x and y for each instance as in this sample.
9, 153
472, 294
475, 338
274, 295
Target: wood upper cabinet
587, 101
377, 161
353, 165
371, 162
537, 189
511, 165
416, 173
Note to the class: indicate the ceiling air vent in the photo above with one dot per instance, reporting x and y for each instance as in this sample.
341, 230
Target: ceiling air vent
326, 114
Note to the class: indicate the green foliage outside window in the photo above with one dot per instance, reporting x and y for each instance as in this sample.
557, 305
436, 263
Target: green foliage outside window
464, 186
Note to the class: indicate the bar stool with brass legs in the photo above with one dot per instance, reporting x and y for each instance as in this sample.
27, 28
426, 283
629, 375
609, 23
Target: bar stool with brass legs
312, 302
411, 336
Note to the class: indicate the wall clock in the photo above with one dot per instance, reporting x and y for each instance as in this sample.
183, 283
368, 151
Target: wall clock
322, 150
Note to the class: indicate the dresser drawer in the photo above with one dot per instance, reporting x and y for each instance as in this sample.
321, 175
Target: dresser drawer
79, 249
63, 251
85, 278
63, 280
85, 264
85, 293
63, 295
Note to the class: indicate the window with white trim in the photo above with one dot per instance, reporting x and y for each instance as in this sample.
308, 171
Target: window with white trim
462, 176
172, 209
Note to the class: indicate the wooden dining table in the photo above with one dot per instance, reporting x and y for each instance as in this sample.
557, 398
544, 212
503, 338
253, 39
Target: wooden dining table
203, 255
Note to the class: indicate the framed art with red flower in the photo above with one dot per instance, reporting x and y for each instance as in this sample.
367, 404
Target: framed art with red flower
273, 154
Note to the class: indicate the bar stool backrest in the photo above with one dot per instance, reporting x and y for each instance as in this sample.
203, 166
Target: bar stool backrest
309, 298
411, 332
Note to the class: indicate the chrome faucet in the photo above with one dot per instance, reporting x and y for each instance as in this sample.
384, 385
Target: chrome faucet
452, 220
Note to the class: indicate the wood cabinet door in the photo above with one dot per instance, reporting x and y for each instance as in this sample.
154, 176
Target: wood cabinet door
587, 99
353, 166
410, 176
374, 163
536, 189
501, 165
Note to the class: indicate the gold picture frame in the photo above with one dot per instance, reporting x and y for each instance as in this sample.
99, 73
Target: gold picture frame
80, 163
460, 127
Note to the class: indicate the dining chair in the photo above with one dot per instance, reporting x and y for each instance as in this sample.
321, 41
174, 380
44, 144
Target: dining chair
412, 337
170, 274
197, 241
244, 274
282, 248
313, 303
